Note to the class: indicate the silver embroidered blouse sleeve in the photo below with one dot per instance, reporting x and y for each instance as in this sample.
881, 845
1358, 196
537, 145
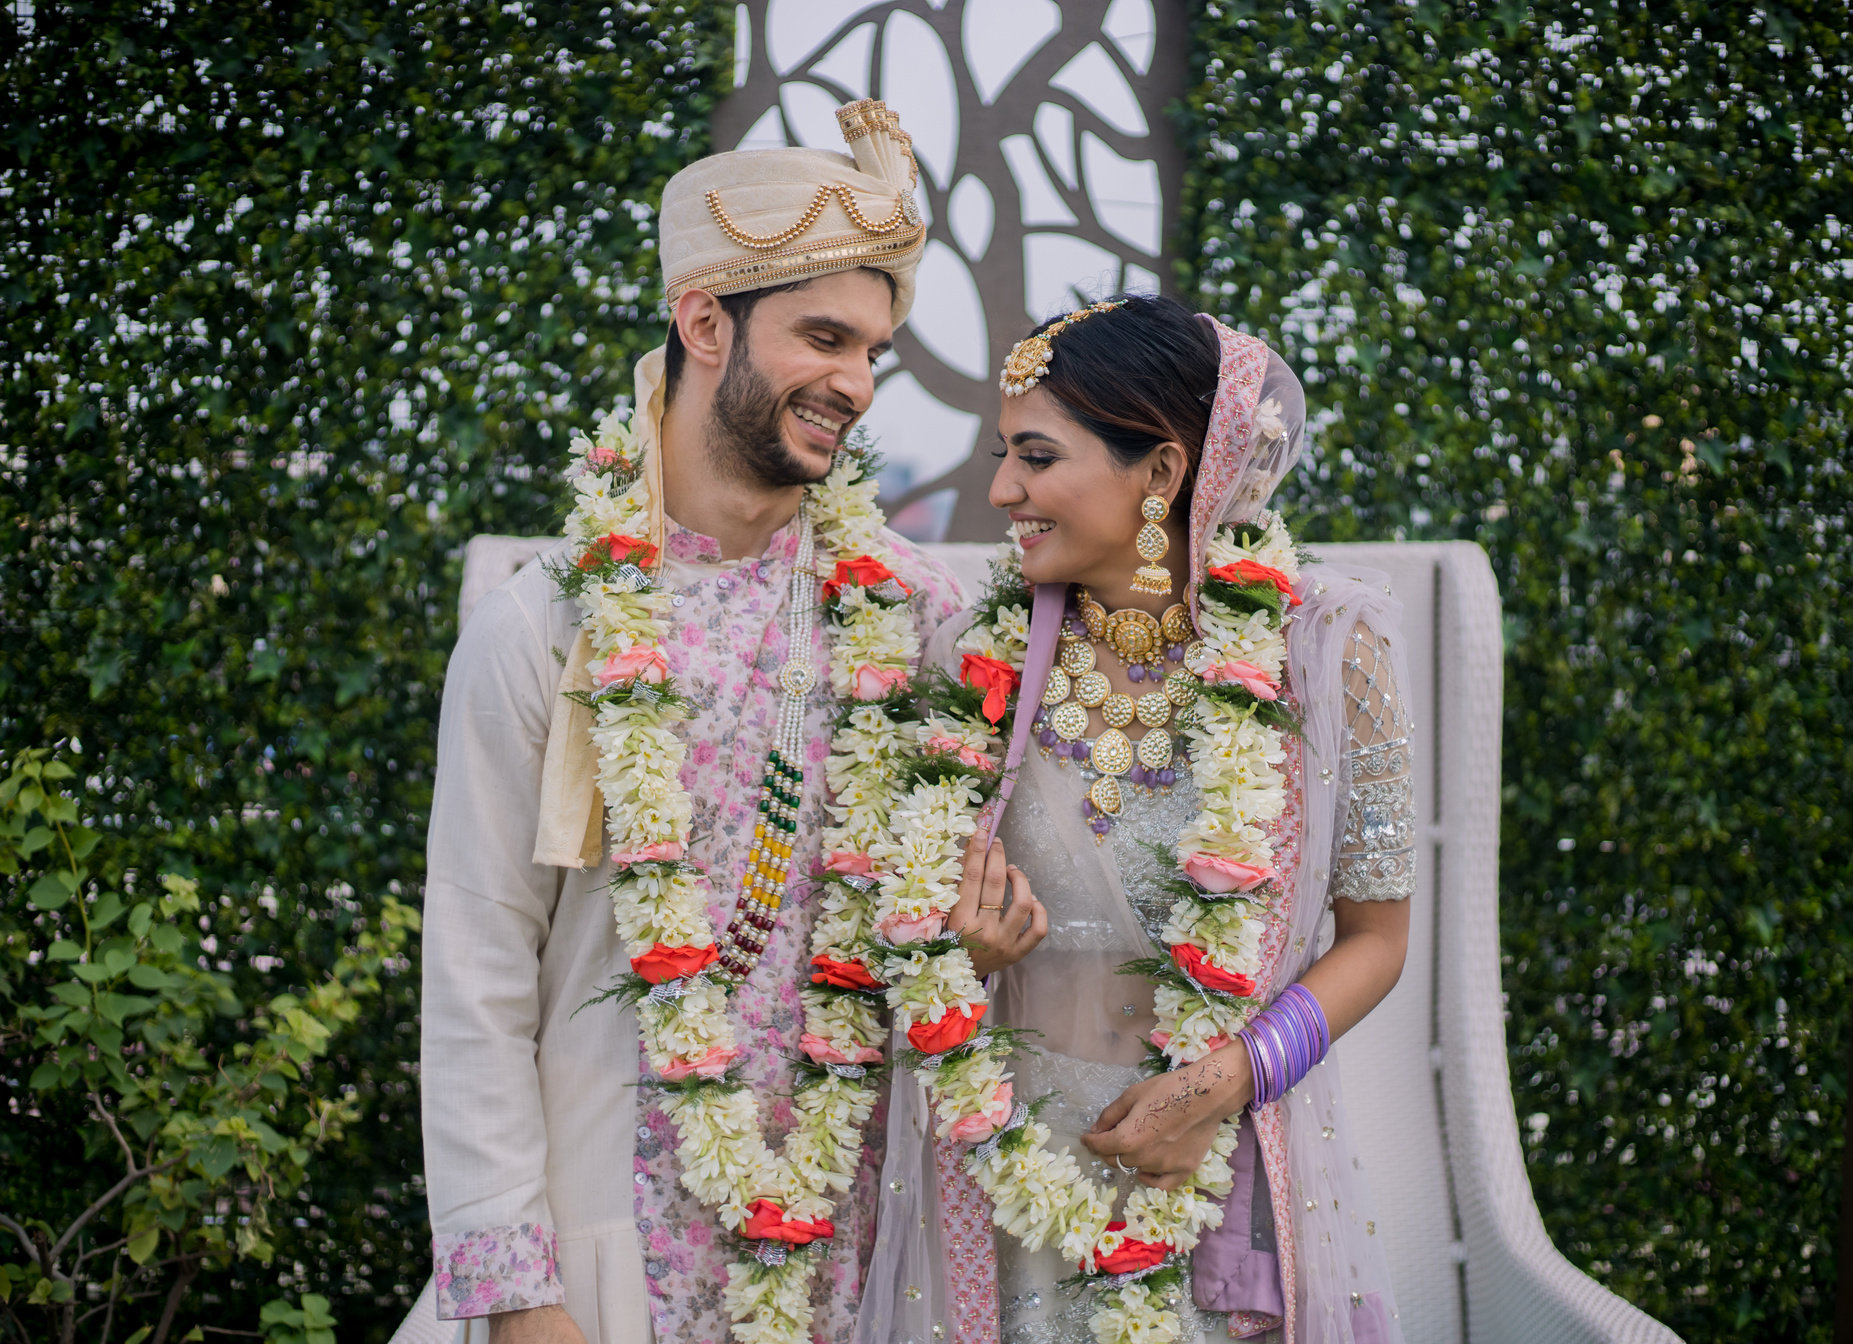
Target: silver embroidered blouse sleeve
1376, 858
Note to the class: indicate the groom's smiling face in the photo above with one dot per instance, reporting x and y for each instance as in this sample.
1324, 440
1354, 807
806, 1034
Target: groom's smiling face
798, 374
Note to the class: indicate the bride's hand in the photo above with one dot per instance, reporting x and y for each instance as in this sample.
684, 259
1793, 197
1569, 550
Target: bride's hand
996, 934
1164, 1125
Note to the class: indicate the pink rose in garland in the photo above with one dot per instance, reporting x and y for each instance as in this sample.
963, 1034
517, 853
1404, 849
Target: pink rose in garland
967, 754
990, 1118
955, 1028
849, 863
766, 1221
874, 683
662, 963
1190, 960
640, 662
898, 930
1246, 675
822, 1052
663, 851
1221, 876
711, 1065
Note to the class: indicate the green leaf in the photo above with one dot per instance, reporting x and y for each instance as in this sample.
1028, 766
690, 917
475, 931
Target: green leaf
46, 1076
140, 918
74, 995
35, 839
279, 1311
105, 912
142, 1244
53, 891
140, 1334
316, 1313
64, 950
144, 976
216, 1157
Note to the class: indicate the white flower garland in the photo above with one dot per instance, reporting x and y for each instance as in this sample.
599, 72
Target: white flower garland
661, 902
1203, 994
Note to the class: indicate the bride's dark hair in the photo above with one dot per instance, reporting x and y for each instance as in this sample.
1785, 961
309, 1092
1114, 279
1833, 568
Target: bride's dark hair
1138, 376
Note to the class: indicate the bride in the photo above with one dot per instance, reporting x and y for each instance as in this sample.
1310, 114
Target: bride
1211, 754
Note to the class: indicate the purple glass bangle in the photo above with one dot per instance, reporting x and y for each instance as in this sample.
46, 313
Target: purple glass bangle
1284, 1043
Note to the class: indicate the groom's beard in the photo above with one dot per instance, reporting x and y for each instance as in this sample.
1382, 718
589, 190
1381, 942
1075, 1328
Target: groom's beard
744, 437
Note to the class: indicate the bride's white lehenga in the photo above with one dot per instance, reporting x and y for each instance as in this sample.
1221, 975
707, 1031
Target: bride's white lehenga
1106, 908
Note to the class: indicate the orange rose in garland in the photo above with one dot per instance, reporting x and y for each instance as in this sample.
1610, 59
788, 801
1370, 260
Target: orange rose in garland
864, 571
996, 678
662, 964
617, 548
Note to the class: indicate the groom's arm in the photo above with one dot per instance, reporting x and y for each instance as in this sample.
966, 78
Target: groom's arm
488, 909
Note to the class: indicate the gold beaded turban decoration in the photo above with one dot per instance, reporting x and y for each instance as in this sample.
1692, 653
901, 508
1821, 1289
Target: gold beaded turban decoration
760, 217
1030, 357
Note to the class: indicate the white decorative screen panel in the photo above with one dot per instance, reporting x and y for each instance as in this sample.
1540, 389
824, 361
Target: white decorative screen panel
1048, 174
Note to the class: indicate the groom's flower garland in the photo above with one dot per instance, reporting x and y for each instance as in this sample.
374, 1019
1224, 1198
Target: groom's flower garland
779, 1201
939, 776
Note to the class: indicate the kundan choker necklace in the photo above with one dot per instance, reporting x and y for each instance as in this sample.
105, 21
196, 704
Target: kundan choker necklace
1076, 685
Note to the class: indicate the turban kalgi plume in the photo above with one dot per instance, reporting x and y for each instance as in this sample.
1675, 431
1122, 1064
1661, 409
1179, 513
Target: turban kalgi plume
865, 571
766, 1221
842, 974
661, 964
996, 678
1189, 959
616, 548
1131, 1255
1253, 571
955, 1028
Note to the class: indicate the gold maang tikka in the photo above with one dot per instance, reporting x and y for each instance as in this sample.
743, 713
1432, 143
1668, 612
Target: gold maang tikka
1030, 357
1151, 544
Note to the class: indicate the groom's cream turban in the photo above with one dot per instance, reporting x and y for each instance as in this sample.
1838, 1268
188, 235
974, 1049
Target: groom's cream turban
760, 217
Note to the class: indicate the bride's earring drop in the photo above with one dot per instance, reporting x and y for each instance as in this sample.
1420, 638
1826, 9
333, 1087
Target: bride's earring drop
1151, 544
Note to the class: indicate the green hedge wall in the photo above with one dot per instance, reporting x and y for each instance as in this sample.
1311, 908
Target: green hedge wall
1567, 279
289, 295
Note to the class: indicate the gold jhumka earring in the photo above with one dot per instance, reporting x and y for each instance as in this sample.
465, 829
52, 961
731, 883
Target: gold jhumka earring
1151, 544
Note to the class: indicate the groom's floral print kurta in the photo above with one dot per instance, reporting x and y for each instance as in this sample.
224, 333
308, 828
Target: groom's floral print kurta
725, 653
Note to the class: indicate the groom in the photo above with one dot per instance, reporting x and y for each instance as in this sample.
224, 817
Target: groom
556, 1203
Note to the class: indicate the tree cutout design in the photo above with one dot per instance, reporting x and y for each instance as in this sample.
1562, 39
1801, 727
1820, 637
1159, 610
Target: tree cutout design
1049, 171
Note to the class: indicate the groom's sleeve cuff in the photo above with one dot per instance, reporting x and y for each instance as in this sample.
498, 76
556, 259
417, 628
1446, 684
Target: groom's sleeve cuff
497, 1269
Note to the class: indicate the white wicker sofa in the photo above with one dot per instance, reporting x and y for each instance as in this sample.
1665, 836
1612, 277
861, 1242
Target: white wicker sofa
1426, 1077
